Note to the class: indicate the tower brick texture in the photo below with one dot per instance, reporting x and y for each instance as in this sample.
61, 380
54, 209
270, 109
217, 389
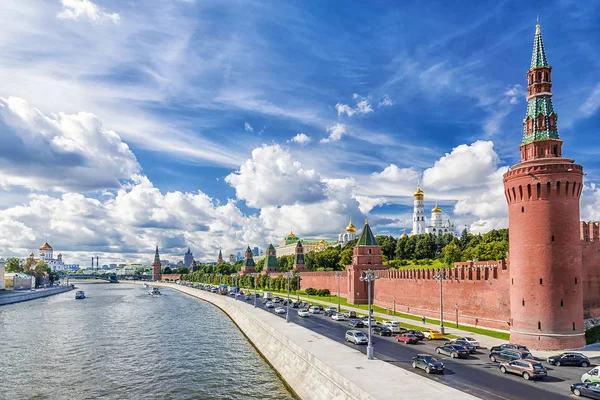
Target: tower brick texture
156, 267
543, 191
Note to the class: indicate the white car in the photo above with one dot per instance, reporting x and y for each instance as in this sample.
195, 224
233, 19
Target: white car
314, 310
365, 321
269, 304
331, 309
393, 325
470, 340
303, 313
338, 317
280, 310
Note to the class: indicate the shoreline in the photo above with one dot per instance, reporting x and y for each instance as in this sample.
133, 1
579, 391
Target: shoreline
10, 297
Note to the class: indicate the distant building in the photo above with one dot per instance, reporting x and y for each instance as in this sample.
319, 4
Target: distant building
72, 267
188, 258
239, 256
46, 255
255, 252
231, 259
2, 269
113, 266
156, 267
220, 258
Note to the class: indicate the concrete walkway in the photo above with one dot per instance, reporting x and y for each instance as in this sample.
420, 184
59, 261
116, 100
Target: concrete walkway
345, 369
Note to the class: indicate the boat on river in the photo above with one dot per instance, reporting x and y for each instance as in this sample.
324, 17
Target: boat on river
145, 286
154, 292
79, 295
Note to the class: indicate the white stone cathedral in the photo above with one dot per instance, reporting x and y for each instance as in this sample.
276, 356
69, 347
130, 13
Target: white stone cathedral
435, 225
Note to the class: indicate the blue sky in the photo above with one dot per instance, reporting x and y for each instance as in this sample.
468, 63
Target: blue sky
129, 123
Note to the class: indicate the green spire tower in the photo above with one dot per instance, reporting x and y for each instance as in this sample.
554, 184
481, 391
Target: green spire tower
270, 261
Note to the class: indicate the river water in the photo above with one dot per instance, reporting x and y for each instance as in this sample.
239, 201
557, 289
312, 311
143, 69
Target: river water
121, 343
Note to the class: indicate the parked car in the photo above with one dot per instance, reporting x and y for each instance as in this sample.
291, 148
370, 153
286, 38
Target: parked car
407, 338
471, 341
295, 304
452, 350
280, 310
356, 323
591, 389
269, 304
314, 310
366, 321
328, 313
330, 309
247, 298
303, 312
591, 375
382, 331
356, 337
432, 334
350, 314
418, 334
277, 299
393, 325
321, 309
569, 359
528, 369
464, 344
338, 317
507, 346
428, 363
510, 355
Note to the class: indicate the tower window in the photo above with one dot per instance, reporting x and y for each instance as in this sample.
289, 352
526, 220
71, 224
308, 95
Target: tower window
369, 251
541, 281
512, 281
561, 303
523, 302
539, 325
576, 281
573, 325
553, 238
522, 209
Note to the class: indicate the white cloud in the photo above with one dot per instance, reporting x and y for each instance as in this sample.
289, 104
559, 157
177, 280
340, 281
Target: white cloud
60, 152
248, 127
274, 177
362, 107
591, 103
85, 9
467, 166
335, 133
345, 108
393, 174
301, 138
513, 92
386, 101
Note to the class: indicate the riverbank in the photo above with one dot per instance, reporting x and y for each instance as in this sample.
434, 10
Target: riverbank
315, 367
18, 296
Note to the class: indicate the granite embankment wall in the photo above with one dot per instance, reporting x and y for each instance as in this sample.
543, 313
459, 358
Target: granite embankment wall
316, 367
17, 297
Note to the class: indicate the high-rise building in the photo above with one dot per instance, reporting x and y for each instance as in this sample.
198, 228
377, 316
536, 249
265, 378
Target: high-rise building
542, 191
255, 252
188, 258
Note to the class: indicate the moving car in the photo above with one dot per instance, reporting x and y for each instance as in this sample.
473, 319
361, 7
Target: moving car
338, 317
314, 310
464, 344
280, 310
432, 334
510, 355
247, 298
453, 350
276, 299
331, 309
356, 323
356, 337
350, 314
471, 341
428, 363
269, 304
366, 321
591, 389
569, 359
268, 295
393, 325
295, 304
407, 338
591, 375
418, 334
382, 331
507, 346
303, 312
328, 313
528, 369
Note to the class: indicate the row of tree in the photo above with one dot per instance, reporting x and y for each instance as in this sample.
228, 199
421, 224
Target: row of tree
39, 269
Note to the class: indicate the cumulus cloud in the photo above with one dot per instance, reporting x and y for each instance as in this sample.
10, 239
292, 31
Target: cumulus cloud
591, 103
392, 173
362, 107
85, 9
301, 138
60, 152
273, 177
513, 92
335, 133
248, 127
466, 166
386, 101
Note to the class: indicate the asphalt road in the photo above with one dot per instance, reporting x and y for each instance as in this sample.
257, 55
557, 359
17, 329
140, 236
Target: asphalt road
475, 375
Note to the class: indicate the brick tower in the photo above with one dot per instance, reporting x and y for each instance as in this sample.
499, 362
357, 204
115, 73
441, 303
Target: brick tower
248, 266
366, 255
156, 267
271, 265
220, 258
542, 191
299, 265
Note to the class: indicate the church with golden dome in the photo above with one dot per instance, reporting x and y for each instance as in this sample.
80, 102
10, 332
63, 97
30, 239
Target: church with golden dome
46, 254
288, 244
438, 223
349, 235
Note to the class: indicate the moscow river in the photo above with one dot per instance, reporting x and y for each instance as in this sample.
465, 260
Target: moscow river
121, 343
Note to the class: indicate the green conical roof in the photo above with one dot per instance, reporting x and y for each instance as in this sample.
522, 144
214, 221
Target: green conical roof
271, 248
366, 236
156, 256
538, 58
249, 259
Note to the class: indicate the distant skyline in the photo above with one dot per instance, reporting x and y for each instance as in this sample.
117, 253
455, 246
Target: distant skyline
215, 124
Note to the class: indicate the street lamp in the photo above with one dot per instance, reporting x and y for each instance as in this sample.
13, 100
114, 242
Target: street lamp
441, 275
339, 274
233, 278
255, 275
456, 307
298, 287
220, 276
369, 276
288, 276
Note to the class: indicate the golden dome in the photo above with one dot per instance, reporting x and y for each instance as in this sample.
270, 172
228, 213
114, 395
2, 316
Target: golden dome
322, 241
350, 227
31, 255
46, 246
436, 209
419, 193
404, 235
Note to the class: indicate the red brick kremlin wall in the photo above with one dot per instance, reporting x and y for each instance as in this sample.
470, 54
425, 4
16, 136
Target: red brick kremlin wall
590, 255
325, 280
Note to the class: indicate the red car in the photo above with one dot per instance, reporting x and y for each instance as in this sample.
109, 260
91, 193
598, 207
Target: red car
407, 338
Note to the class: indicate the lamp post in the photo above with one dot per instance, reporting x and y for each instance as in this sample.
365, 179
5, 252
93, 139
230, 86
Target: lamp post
369, 276
255, 275
298, 287
220, 276
456, 307
288, 276
233, 278
441, 275
394, 305
339, 274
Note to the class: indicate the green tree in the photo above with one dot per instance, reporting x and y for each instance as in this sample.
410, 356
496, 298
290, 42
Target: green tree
424, 249
451, 254
13, 265
345, 257
167, 270
388, 246
464, 239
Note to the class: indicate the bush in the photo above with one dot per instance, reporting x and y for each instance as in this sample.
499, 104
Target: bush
323, 292
310, 291
592, 335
